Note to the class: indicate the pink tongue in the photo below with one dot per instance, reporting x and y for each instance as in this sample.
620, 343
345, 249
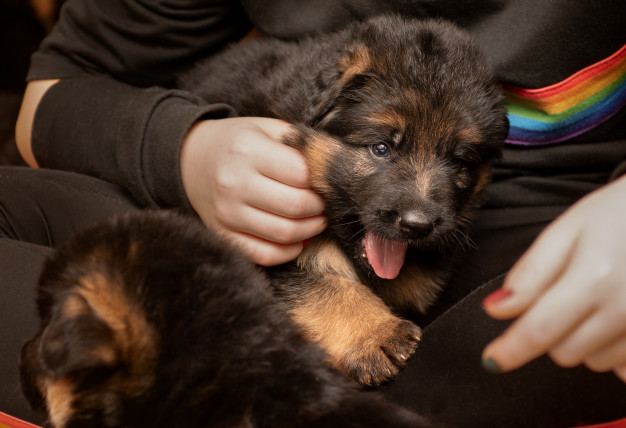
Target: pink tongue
385, 256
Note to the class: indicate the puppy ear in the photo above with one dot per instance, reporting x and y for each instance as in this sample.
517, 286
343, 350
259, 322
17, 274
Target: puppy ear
76, 341
350, 73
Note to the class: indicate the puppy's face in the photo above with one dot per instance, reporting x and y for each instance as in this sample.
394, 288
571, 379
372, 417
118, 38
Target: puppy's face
412, 134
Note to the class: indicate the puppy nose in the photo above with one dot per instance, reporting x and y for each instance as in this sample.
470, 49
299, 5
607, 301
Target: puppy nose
417, 223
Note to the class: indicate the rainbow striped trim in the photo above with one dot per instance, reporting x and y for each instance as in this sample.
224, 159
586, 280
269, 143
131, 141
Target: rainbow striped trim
8, 421
569, 108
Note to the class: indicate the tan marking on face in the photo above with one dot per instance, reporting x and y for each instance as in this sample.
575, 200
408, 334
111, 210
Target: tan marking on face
428, 171
483, 179
423, 182
318, 152
389, 119
470, 135
59, 400
468, 210
357, 61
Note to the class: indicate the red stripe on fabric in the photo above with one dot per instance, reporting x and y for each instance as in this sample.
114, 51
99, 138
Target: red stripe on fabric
571, 81
18, 423
620, 423
14, 422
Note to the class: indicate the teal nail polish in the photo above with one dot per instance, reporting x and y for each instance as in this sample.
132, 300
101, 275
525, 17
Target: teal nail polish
490, 365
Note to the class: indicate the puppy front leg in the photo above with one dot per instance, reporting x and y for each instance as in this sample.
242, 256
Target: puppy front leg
363, 338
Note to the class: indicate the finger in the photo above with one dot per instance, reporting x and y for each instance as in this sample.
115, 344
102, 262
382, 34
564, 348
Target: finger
599, 332
554, 316
275, 129
621, 372
262, 252
283, 200
273, 228
282, 163
543, 263
609, 357
275, 159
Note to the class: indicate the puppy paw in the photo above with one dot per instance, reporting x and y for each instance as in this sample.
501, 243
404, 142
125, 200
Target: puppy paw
379, 356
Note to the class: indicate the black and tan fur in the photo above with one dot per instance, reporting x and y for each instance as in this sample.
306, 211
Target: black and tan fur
422, 90
150, 320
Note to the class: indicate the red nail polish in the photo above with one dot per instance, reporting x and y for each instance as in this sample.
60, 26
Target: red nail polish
497, 296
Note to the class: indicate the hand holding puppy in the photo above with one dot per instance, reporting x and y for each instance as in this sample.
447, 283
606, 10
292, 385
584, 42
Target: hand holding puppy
243, 182
569, 291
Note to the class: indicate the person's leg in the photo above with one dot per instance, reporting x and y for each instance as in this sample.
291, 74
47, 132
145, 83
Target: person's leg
445, 380
39, 209
21, 263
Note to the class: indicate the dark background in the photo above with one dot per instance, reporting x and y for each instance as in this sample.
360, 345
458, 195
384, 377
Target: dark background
23, 24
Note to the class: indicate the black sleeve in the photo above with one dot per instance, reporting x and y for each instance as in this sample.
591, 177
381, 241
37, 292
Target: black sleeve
112, 115
140, 42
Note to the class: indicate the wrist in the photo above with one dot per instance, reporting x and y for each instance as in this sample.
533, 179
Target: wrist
170, 125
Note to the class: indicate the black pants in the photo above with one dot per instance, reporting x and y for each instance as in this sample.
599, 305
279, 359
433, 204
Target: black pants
40, 209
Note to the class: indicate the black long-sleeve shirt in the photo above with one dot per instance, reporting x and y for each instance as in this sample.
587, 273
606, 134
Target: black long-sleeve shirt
114, 114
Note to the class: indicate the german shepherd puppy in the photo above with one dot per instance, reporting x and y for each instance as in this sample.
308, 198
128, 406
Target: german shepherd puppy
399, 120
150, 320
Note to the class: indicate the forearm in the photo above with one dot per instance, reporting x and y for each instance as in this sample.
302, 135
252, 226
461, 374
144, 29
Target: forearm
127, 135
98, 101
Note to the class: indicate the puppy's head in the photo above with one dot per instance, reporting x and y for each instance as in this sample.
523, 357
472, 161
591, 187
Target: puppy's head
95, 351
135, 315
408, 128
94, 357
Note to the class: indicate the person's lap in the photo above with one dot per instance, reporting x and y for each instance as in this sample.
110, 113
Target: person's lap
39, 209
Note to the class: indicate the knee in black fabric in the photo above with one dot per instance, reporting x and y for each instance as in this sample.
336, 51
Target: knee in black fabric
45, 207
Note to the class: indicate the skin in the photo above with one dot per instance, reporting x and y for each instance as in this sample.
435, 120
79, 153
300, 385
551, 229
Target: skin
568, 292
238, 176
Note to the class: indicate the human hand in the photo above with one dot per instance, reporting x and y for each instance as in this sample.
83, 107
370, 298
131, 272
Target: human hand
243, 182
569, 291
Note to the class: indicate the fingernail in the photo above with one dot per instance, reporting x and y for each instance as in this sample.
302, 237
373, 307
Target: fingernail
490, 365
307, 242
497, 296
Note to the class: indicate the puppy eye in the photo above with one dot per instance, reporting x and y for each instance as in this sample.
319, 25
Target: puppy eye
380, 150
466, 156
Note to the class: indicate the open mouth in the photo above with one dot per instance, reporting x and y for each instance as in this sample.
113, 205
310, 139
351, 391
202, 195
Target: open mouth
384, 256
